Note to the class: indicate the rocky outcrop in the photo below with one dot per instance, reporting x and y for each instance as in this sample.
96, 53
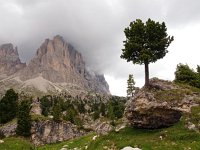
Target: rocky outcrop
161, 105
8, 129
45, 132
58, 62
103, 128
9, 60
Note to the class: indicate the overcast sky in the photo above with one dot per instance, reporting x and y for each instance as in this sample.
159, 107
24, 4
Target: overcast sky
95, 28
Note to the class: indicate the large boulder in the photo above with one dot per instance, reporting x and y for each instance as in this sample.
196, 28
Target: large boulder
160, 105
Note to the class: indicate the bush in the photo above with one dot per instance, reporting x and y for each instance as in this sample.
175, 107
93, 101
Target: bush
184, 74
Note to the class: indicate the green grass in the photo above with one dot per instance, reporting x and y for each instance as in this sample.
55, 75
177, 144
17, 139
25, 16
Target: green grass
14, 143
80, 142
174, 138
170, 95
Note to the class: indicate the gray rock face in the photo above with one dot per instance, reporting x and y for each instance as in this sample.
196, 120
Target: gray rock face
58, 62
9, 60
9, 129
45, 132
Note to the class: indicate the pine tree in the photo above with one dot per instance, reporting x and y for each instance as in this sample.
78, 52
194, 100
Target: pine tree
24, 119
57, 112
131, 86
145, 43
110, 113
103, 109
8, 106
198, 69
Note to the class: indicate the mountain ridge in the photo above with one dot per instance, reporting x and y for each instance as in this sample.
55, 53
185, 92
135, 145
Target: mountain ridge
57, 63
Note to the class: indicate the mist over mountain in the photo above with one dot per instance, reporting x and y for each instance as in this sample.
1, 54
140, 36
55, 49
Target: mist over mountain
56, 66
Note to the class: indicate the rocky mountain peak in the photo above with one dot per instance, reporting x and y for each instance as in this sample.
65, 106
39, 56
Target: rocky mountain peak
59, 62
9, 60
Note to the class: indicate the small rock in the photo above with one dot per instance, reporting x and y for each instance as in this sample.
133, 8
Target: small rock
130, 148
63, 148
94, 137
1, 141
160, 137
105, 147
117, 129
103, 128
191, 126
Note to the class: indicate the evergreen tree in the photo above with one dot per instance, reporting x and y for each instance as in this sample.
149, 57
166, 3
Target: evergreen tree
46, 104
81, 107
198, 69
24, 119
145, 43
8, 106
95, 115
131, 86
71, 114
110, 113
56, 112
103, 109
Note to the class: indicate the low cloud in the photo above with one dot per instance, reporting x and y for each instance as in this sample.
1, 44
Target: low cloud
94, 27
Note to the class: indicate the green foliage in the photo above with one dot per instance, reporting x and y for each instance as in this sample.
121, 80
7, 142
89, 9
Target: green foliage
13, 143
145, 43
71, 114
198, 69
95, 115
102, 109
110, 113
194, 117
24, 119
81, 107
131, 86
184, 74
56, 112
115, 109
46, 104
8, 106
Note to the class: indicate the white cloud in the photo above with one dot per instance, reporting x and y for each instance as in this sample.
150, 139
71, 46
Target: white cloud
95, 28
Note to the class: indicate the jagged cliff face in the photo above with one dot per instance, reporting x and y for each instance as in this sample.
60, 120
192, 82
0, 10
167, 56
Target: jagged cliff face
56, 66
9, 60
58, 62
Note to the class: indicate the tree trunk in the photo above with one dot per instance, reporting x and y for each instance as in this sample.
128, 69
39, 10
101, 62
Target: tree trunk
146, 65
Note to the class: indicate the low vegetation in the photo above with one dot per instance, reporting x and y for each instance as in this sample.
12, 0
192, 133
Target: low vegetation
16, 143
184, 74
